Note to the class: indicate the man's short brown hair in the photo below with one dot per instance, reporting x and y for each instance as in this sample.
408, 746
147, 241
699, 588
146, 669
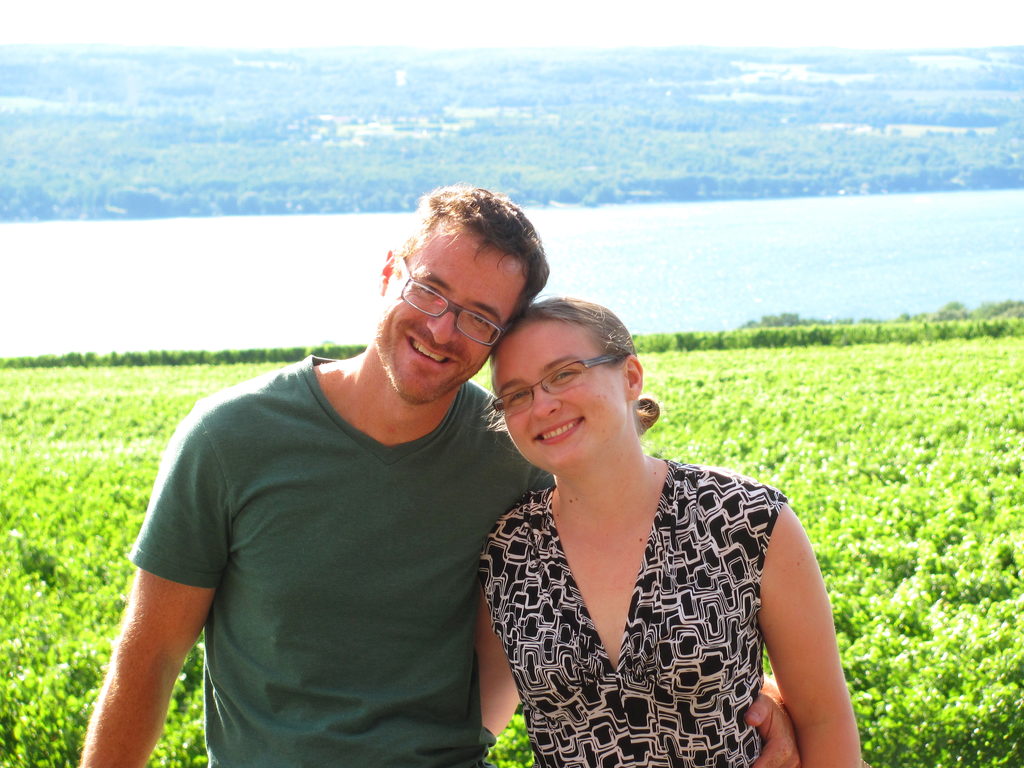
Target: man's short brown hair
495, 219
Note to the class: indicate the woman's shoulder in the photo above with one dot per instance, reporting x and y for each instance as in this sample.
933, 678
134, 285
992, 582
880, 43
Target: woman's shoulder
726, 508
529, 514
715, 487
723, 477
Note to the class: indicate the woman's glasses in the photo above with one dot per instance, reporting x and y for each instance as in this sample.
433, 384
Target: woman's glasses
559, 380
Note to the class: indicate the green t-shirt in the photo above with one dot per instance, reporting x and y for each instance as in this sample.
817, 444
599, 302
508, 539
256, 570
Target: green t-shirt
341, 633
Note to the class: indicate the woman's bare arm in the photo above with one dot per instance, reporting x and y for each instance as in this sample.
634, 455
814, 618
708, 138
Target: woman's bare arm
498, 695
796, 619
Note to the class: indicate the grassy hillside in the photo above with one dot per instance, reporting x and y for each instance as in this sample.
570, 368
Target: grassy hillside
903, 460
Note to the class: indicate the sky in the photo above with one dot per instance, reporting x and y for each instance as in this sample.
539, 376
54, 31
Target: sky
870, 24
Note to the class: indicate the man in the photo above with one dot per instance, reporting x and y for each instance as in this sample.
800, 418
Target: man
323, 524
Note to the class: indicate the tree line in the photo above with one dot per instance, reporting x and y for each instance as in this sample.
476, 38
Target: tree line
954, 310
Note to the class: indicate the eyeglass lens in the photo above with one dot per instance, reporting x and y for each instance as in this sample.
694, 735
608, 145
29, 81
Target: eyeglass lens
557, 381
469, 323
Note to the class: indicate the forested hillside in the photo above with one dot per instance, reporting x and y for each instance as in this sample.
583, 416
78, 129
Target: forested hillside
89, 132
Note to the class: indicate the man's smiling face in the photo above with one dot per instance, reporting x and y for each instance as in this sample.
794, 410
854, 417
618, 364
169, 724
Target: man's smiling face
427, 358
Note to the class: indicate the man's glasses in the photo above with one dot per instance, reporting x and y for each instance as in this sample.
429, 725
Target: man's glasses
559, 380
467, 322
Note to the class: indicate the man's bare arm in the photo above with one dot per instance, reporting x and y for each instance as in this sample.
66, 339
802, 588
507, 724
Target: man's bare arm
769, 716
161, 624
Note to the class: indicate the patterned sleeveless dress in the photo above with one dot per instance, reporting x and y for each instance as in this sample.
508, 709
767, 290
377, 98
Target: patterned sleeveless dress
691, 656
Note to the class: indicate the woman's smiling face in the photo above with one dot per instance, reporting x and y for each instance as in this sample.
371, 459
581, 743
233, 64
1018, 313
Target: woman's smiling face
569, 430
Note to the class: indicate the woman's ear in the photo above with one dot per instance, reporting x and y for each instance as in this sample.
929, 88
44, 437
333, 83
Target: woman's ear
634, 372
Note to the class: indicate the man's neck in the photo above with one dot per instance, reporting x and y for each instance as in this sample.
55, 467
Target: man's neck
359, 390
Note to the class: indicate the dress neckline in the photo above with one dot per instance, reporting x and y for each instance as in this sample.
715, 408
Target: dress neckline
653, 542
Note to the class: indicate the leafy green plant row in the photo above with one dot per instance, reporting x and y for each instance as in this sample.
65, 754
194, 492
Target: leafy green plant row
904, 462
183, 357
744, 338
830, 335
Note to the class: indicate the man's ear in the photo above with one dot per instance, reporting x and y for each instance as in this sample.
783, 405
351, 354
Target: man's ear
391, 271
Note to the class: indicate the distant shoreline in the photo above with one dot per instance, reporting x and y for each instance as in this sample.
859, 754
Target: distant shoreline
534, 205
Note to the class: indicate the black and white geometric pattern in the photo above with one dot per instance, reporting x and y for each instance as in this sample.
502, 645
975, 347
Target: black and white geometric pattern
691, 655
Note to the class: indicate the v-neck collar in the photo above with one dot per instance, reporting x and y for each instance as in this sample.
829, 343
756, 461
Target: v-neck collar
386, 454
666, 502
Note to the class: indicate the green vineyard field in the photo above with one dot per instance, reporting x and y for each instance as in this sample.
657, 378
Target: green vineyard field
903, 460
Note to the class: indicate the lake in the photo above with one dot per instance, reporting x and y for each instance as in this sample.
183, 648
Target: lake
242, 282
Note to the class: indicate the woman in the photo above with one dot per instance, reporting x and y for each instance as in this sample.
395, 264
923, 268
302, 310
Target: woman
655, 669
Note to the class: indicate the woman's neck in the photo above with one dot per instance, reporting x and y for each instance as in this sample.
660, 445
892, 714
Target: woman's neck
612, 494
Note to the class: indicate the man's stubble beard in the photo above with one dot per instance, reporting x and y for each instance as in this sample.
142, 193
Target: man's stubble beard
386, 352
